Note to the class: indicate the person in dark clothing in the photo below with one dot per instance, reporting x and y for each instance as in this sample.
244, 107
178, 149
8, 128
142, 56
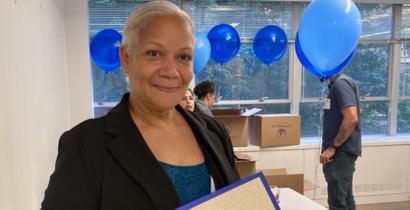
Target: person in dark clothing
205, 92
147, 152
341, 141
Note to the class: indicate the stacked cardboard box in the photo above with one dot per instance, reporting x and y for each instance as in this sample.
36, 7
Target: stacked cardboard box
236, 125
279, 177
267, 130
264, 130
245, 164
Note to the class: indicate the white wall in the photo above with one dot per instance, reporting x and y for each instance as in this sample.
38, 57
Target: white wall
382, 173
78, 60
44, 90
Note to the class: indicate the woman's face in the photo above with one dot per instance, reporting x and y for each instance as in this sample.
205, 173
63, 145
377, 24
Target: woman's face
160, 64
187, 101
211, 99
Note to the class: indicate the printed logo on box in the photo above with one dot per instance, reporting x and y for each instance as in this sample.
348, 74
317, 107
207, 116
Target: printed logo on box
281, 132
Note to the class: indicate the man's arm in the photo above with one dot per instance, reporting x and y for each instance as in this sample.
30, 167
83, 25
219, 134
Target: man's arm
349, 122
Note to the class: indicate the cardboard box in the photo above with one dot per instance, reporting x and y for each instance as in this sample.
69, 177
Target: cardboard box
274, 129
226, 111
279, 177
235, 124
308, 185
245, 164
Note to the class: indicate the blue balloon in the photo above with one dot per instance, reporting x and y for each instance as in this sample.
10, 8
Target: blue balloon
104, 49
225, 42
270, 44
329, 32
317, 72
202, 51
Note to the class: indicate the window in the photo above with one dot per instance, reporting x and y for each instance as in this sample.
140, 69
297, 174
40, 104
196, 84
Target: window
369, 68
376, 20
405, 22
403, 116
244, 78
311, 116
245, 82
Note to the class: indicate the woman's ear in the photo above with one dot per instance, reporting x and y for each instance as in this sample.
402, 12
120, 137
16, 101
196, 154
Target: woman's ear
124, 58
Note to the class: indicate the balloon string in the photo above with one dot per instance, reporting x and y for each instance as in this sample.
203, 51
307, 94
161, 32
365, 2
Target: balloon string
264, 82
320, 131
218, 97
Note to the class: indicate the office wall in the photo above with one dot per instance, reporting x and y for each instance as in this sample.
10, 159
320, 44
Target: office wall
44, 90
382, 173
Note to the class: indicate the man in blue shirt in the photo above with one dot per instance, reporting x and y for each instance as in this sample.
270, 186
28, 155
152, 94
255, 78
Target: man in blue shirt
341, 141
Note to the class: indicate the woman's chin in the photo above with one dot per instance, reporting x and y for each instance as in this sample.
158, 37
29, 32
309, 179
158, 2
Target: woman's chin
167, 105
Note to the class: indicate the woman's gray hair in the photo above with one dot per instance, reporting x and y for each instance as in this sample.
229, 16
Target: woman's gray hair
137, 19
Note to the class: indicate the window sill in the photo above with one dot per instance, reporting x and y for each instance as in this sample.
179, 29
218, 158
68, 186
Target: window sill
315, 142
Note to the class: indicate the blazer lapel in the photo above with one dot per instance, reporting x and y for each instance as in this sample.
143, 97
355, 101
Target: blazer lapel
132, 153
211, 143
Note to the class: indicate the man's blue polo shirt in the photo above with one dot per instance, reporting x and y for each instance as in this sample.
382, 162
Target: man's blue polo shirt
343, 92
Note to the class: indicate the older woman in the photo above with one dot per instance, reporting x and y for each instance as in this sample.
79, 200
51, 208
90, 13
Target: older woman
147, 152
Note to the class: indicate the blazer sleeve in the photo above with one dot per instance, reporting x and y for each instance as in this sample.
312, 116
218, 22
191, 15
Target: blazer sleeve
228, 146
226, 142
69, 187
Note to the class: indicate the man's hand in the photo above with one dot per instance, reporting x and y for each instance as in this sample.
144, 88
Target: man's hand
326, 156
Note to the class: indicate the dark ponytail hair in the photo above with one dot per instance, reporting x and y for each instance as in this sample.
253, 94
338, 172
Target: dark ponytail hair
203, 88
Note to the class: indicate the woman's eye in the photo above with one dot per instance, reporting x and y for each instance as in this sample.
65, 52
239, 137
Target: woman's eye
186, 57
154, 53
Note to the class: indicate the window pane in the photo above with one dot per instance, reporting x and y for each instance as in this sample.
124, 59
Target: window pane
403, 117
108, 14
373, 117
245, 77
311, 85
376, 20
101, 111
369, 68
311, 116
405, 69
246, 16
405, 22
107, 87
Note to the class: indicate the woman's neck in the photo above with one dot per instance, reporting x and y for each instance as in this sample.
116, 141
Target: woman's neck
142, 113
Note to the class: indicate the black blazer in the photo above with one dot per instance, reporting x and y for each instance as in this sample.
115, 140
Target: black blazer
105, 164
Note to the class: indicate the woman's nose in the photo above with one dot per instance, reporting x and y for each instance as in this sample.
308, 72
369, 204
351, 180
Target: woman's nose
169, 68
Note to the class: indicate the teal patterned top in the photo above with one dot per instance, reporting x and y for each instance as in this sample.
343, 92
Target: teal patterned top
191, 182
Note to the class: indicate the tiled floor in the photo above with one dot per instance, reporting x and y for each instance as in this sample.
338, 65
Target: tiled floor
386, 206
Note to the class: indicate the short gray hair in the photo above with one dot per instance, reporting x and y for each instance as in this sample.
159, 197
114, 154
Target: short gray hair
139, 17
